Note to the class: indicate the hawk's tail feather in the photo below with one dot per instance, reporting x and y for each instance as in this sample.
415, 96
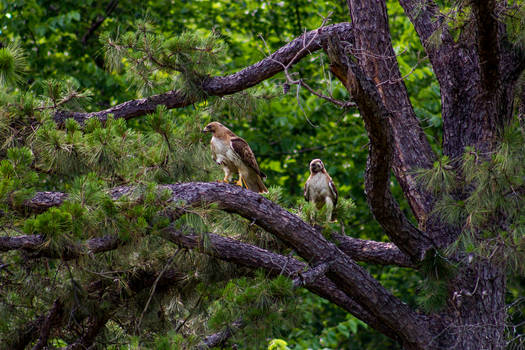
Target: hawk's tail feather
262, 187
254, 183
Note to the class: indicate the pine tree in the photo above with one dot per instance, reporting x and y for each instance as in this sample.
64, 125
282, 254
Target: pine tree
115, 233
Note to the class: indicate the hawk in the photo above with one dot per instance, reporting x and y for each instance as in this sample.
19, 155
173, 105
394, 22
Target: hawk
320, 189
235, 155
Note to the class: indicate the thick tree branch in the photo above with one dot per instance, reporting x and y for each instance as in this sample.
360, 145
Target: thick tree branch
372, 47
309, 244
372, 252
251, 256
358, 249
42, 201
433, 33
408, 238
36, 244
220, 86
95, 323
40, 326
313, 247
45, 328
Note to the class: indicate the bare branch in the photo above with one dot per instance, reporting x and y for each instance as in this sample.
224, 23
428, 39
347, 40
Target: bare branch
219, 338
45, 328
428, 22
220, 86
372, 252
41, 201
372, 47
313, 247
36, 244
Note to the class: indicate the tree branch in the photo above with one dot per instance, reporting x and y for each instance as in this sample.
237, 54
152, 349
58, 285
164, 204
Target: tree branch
372, 47
251, 256
220, 86
45, 328
96, 322
36, 244
100, 289
408, 238
242, 254
219, 338
372, 252
42, 201
358, 249
349, 277
428, 21
41, 325
313, 247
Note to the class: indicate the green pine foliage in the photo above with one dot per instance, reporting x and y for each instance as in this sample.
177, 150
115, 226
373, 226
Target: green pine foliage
85, 161
166, 147
483, 195
152, 60
13, 64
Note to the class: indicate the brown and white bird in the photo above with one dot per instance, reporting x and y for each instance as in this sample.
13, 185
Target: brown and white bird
320, 189
235, 155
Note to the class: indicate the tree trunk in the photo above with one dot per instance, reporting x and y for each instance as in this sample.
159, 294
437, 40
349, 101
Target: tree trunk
476, 308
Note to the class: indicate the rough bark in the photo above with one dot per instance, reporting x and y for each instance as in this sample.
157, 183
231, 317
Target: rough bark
356, 282
95, 323
349, 277
477, 77
433, 34
247, 255
375, 55
372, 252
219, 338
476, 308
42, 201
250, 76
36, 244
487, 35
358, 249
376, 116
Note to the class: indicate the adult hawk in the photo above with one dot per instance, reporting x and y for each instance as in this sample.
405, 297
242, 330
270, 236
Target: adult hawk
235, 155
320, 189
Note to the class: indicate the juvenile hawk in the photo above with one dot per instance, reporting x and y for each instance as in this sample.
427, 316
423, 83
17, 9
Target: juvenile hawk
320, 189
235, 155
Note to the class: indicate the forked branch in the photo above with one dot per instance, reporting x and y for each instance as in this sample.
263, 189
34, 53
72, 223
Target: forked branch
287, 55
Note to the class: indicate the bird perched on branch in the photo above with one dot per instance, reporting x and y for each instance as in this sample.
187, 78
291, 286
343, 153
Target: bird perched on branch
320, 189
235, 155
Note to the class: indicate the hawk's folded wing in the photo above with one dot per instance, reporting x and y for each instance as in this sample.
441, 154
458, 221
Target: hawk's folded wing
244, 151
